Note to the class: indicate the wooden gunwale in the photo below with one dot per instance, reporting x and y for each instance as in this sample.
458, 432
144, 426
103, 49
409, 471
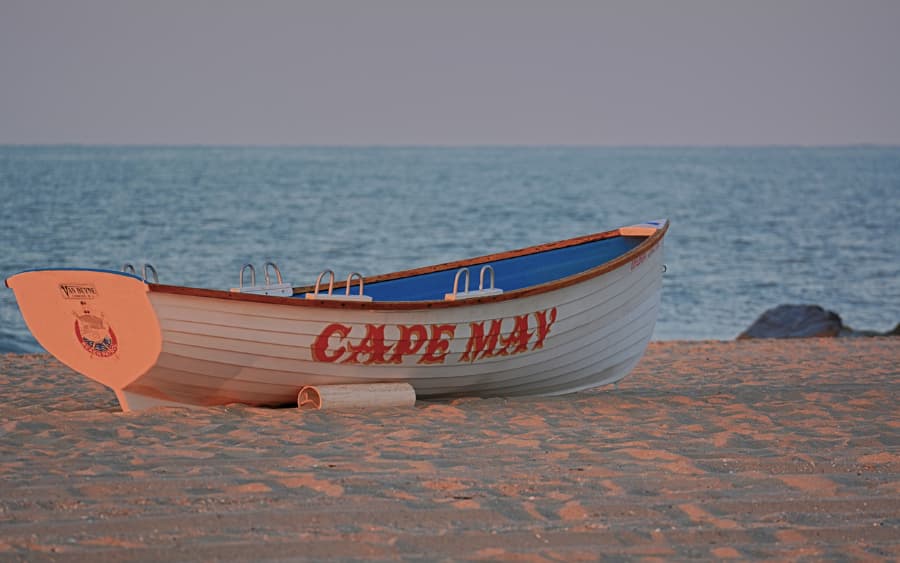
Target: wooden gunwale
644, 247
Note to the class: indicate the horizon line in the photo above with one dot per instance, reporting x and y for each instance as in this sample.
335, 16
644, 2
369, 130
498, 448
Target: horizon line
453, 145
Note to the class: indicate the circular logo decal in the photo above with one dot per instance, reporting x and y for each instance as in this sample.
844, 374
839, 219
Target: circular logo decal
95, 335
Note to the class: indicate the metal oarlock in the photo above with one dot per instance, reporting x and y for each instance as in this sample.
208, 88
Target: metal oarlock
350, 278
128, 268
152, 270
482, 291
487, 268
330, 282
459, 273
274, 267
252, 275
278, 289
331, 295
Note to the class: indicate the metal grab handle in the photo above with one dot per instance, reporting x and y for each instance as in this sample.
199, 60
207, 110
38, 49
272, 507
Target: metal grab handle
330, 282
252, 275
350, 281
460, 272
481, 281
129, 268
152, 269
274, 267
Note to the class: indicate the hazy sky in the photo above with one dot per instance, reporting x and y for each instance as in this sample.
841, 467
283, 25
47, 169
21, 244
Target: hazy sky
633, 72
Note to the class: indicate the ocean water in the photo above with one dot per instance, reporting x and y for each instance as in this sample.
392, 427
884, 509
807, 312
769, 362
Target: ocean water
751, 227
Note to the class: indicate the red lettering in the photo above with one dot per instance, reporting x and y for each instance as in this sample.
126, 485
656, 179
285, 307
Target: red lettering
640, 259
372, 347
545, 320
479, 344
519, 337
438, 346
319, 347
333, 344
412, 338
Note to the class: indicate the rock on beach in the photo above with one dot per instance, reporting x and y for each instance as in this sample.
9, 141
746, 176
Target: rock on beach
804, 321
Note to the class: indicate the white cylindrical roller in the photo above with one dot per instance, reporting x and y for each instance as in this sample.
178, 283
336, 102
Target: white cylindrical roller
356, 396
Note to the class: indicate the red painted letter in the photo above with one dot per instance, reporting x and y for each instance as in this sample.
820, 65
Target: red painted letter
517, 341
319, 347
478, 344
438, 345
407, 344
545, 321
372, 347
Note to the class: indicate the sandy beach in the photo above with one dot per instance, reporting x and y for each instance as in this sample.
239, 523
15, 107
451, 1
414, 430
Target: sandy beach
752, 449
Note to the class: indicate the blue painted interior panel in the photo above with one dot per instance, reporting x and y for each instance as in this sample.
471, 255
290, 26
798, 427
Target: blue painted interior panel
510, 274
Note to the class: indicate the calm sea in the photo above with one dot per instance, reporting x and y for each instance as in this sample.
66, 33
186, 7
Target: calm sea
751, 227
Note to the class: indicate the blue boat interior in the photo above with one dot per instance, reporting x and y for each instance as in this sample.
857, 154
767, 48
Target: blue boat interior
510, 274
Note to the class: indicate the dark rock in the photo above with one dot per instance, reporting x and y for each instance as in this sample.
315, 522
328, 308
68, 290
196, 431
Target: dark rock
795, 321
805, 321
847, 331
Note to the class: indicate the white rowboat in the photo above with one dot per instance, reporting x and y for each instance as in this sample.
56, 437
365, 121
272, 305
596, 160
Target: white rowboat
545, 320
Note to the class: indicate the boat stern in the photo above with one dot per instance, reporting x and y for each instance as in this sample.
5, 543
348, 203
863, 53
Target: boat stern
99, 323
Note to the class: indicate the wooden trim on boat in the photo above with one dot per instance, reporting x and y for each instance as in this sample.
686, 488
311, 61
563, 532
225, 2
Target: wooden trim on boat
643, 248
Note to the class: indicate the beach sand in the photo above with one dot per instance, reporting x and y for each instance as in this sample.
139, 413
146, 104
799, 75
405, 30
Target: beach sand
751, 449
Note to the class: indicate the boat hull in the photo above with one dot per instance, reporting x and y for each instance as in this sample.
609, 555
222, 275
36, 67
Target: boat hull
210, 348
